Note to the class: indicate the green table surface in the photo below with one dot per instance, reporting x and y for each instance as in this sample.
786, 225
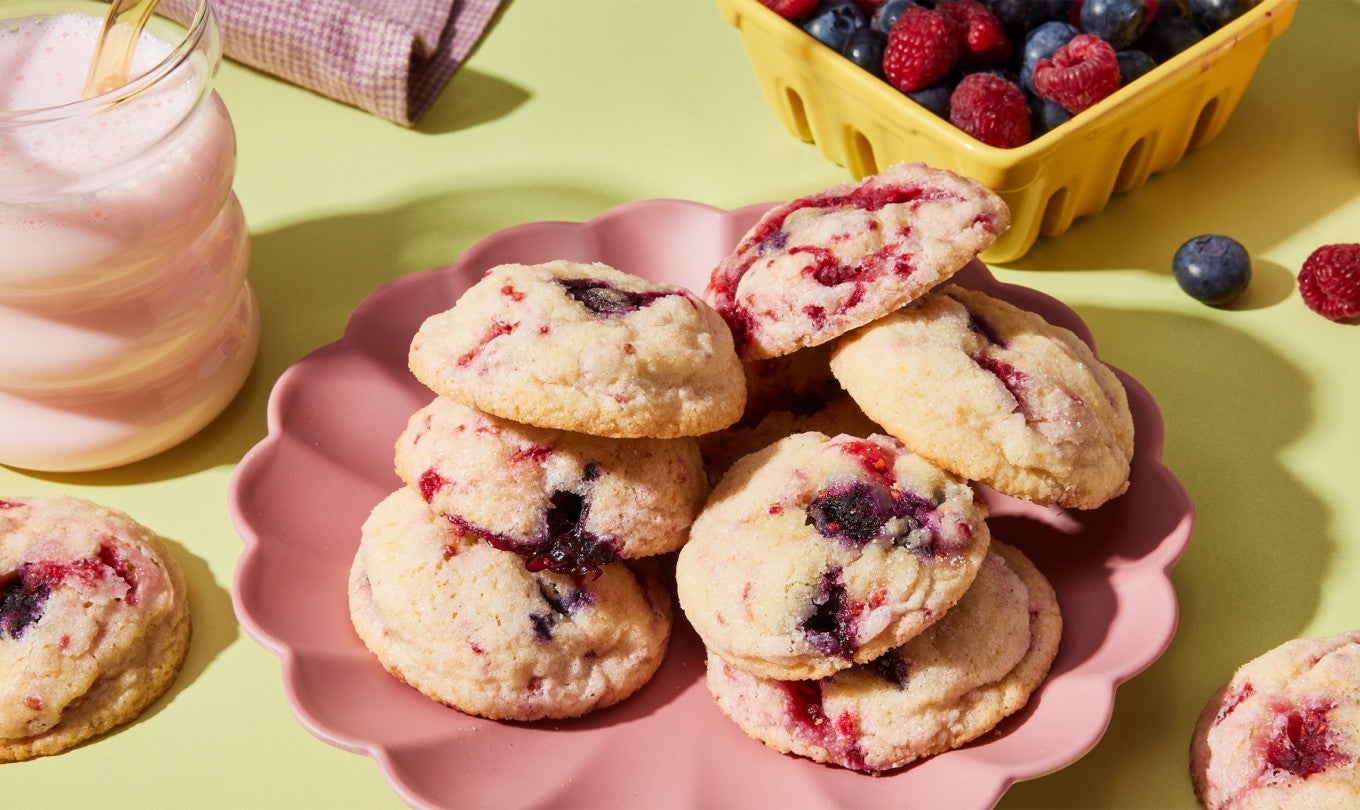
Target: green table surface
570, 107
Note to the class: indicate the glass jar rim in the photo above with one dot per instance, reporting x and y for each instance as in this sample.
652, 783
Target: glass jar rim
196, 30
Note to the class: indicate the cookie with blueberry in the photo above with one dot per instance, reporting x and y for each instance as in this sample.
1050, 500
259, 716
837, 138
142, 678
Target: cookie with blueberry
586, 348
957, 680
564, 501
1285, 730
818, 553
995, 394
821, 265
469, 626
94, 622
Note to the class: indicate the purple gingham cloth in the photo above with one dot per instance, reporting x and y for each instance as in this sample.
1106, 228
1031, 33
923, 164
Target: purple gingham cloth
389, 57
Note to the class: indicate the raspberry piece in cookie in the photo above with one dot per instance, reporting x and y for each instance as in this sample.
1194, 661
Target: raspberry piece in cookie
995, 394
817, 553
583, 347
1285, 730
466, 624
94, 622
819, 266
947, 686
566, 502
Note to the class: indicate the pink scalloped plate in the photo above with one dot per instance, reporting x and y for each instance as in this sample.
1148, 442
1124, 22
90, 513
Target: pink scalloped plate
299, 498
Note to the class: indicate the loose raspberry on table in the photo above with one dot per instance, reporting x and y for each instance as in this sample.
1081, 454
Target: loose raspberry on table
790, 9
922, 48
982, 37
1081, 73
1329, 281
990, 109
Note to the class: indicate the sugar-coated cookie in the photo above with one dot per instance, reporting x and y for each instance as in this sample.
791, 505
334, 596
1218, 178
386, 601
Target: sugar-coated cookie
94, 622
945, 687
821, 265
467, 625
586, 348
800, 382
1284, 732
840, 414
996, 394
817, 553
566, 501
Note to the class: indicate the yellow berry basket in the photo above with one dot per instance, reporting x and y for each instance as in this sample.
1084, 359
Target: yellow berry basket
863, 123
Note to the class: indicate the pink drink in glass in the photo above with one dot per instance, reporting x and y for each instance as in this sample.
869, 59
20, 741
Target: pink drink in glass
126, 323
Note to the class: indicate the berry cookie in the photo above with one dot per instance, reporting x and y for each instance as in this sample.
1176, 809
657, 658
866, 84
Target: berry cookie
94, 622
722, 448
995, 394
567, 502
467, 625
947, 686
817, 553
584, 347
800, 382
821, 265
1284, 731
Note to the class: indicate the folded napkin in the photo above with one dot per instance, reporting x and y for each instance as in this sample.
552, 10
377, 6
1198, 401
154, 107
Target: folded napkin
389, 57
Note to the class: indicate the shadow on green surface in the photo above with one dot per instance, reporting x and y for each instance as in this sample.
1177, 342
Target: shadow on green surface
1261, 546
470, 99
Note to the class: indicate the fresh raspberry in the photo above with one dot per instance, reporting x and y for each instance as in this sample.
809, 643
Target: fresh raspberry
790, 9
990, 109
1330, 281
921, 49
1079, 74
982, 37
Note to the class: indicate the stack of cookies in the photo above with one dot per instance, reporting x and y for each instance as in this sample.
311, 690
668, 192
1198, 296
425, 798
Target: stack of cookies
515, 575
842, 576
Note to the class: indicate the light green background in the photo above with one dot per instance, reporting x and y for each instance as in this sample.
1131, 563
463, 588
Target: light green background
573, 106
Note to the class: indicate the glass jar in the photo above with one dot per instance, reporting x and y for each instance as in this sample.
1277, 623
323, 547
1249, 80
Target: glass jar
126, 320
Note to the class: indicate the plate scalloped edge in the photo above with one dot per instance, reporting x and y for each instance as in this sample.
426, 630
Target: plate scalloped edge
677, 241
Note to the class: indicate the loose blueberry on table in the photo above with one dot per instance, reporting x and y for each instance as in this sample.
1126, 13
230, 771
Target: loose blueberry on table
1212, 268
927, 48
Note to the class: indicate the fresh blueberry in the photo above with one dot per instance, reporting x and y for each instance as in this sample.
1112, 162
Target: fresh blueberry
1118, 22
934, 98
1212, 268
1169, 35
1211, 15
1046, 115
887, 13
1022, 15
1132, 64
865, 47
832, 22
1041, 43
1173, 8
